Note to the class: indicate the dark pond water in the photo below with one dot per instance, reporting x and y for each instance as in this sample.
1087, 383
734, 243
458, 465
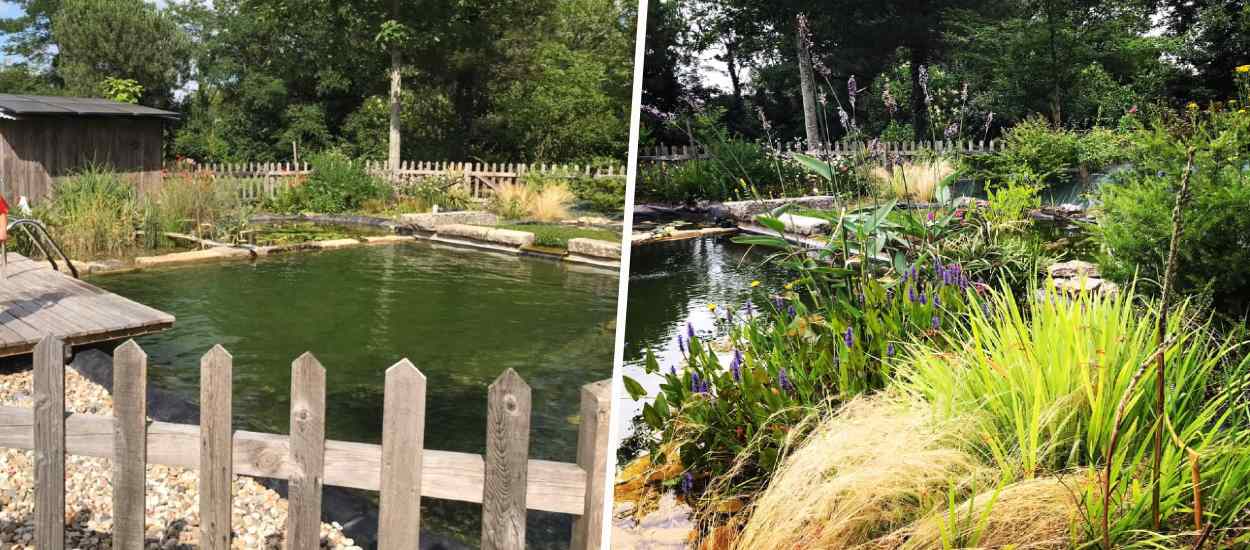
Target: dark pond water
461, 316
672, 283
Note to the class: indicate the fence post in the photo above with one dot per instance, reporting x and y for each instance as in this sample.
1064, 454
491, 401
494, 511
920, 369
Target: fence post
403, 441
49, 365
308, 442
507, 462
130, 374
216, 448
592, 456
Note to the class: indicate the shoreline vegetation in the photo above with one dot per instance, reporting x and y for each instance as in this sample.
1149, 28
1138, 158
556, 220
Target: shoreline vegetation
956, 373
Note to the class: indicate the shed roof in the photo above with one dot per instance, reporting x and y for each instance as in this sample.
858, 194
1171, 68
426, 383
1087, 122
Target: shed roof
13, 105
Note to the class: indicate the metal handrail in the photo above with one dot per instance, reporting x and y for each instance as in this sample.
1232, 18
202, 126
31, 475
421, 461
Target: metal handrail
42, 230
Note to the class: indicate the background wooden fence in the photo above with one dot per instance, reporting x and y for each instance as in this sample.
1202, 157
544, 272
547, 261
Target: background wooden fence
505, 481
265, 179
682, 153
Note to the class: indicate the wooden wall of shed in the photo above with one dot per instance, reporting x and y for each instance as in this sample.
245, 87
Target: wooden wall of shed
35, 151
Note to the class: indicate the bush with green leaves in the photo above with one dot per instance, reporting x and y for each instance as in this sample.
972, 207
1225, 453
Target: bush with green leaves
336, 184
1052, 155
1135, 224
603, 194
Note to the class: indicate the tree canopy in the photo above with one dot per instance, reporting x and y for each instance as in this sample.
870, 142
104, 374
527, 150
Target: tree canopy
258, 80
926, 69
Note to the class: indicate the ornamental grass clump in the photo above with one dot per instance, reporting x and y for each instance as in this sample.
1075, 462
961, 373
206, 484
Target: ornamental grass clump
1028, 398
915, 181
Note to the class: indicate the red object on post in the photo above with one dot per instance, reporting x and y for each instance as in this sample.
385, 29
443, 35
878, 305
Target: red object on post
4, 219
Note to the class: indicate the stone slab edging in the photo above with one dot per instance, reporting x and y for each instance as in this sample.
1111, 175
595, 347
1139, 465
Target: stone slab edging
644, 238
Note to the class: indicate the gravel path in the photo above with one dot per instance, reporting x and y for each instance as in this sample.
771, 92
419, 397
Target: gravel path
259, 515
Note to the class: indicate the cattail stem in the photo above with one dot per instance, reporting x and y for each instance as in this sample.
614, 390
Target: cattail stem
1182, 200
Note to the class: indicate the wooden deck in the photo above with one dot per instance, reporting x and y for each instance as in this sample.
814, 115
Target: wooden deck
36, 300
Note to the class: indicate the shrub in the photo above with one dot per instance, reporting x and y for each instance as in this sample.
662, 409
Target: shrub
1136, 220
605, 195
736, 170
93, 213
336, 184
1035, 147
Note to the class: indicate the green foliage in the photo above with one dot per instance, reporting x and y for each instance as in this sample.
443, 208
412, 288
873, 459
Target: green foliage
557, 236
604, 194
193, 203
1011, 200
423, 194
93, 213
124, 90
1040, 387
337, 184
1136, 221
1037, 150
119, 39
727, 176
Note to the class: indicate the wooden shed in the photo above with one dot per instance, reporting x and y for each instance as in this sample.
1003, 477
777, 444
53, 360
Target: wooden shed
45, 138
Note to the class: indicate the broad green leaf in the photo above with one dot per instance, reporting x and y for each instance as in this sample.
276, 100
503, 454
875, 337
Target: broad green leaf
636, 391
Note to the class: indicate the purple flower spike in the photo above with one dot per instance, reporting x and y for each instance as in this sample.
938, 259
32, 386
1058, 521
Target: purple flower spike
672, 369
937, 322
690, 331
735, 366
923, 299
784, 381
889, 350
937, 300
681, 344
911, 294
687, 484
849, 337
696, 384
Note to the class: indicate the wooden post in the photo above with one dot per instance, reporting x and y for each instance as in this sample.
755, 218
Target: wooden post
216, 448
592, 456
507, 455
403, 440
308, 440
49, 365
130, 375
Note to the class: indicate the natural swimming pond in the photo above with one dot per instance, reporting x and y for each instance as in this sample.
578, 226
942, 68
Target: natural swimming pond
461, 316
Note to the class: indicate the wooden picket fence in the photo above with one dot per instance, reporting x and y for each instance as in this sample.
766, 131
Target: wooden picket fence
261, 180
683, 153
505, 481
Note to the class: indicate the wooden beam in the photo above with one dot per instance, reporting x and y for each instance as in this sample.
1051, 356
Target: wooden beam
49, 436
130, 375
308, 449
592, 456
507, 450
403, 438
216, 458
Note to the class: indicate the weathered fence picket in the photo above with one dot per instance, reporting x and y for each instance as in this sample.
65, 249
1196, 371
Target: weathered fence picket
505, 481
49, 427
130, 378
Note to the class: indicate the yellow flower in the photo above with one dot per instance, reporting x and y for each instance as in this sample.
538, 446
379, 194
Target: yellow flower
711, 307
1192, 106
755, 284
790, 285
1243, 111
1243, 69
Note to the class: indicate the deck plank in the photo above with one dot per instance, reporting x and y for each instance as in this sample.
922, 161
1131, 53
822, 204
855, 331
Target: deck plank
36, 300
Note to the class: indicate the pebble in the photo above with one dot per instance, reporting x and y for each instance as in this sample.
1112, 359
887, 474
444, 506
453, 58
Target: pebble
258, 517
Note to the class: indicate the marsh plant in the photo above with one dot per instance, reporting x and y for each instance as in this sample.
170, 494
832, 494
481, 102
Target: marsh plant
93, 213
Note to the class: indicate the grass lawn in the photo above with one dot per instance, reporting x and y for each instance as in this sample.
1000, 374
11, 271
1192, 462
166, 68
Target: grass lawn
557, 236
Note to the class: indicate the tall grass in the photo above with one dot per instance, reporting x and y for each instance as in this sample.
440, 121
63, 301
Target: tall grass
915, 181
1029, 397
93, 213
193, 203
545, 203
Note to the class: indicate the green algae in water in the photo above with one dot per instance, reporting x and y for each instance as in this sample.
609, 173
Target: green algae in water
461, 316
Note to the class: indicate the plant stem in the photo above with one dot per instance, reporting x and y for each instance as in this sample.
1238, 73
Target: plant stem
1182, 199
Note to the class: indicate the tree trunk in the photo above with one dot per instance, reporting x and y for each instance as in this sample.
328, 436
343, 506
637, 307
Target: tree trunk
807, 84
392, 156
731, 64
919, 110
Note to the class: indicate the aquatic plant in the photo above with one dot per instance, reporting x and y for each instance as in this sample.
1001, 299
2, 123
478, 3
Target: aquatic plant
93, 213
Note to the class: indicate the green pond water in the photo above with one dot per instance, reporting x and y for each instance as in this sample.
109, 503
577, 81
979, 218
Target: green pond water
461, 316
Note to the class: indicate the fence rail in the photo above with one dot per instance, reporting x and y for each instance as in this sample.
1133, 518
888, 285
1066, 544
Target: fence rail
262, 180
504, 480
682, 153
